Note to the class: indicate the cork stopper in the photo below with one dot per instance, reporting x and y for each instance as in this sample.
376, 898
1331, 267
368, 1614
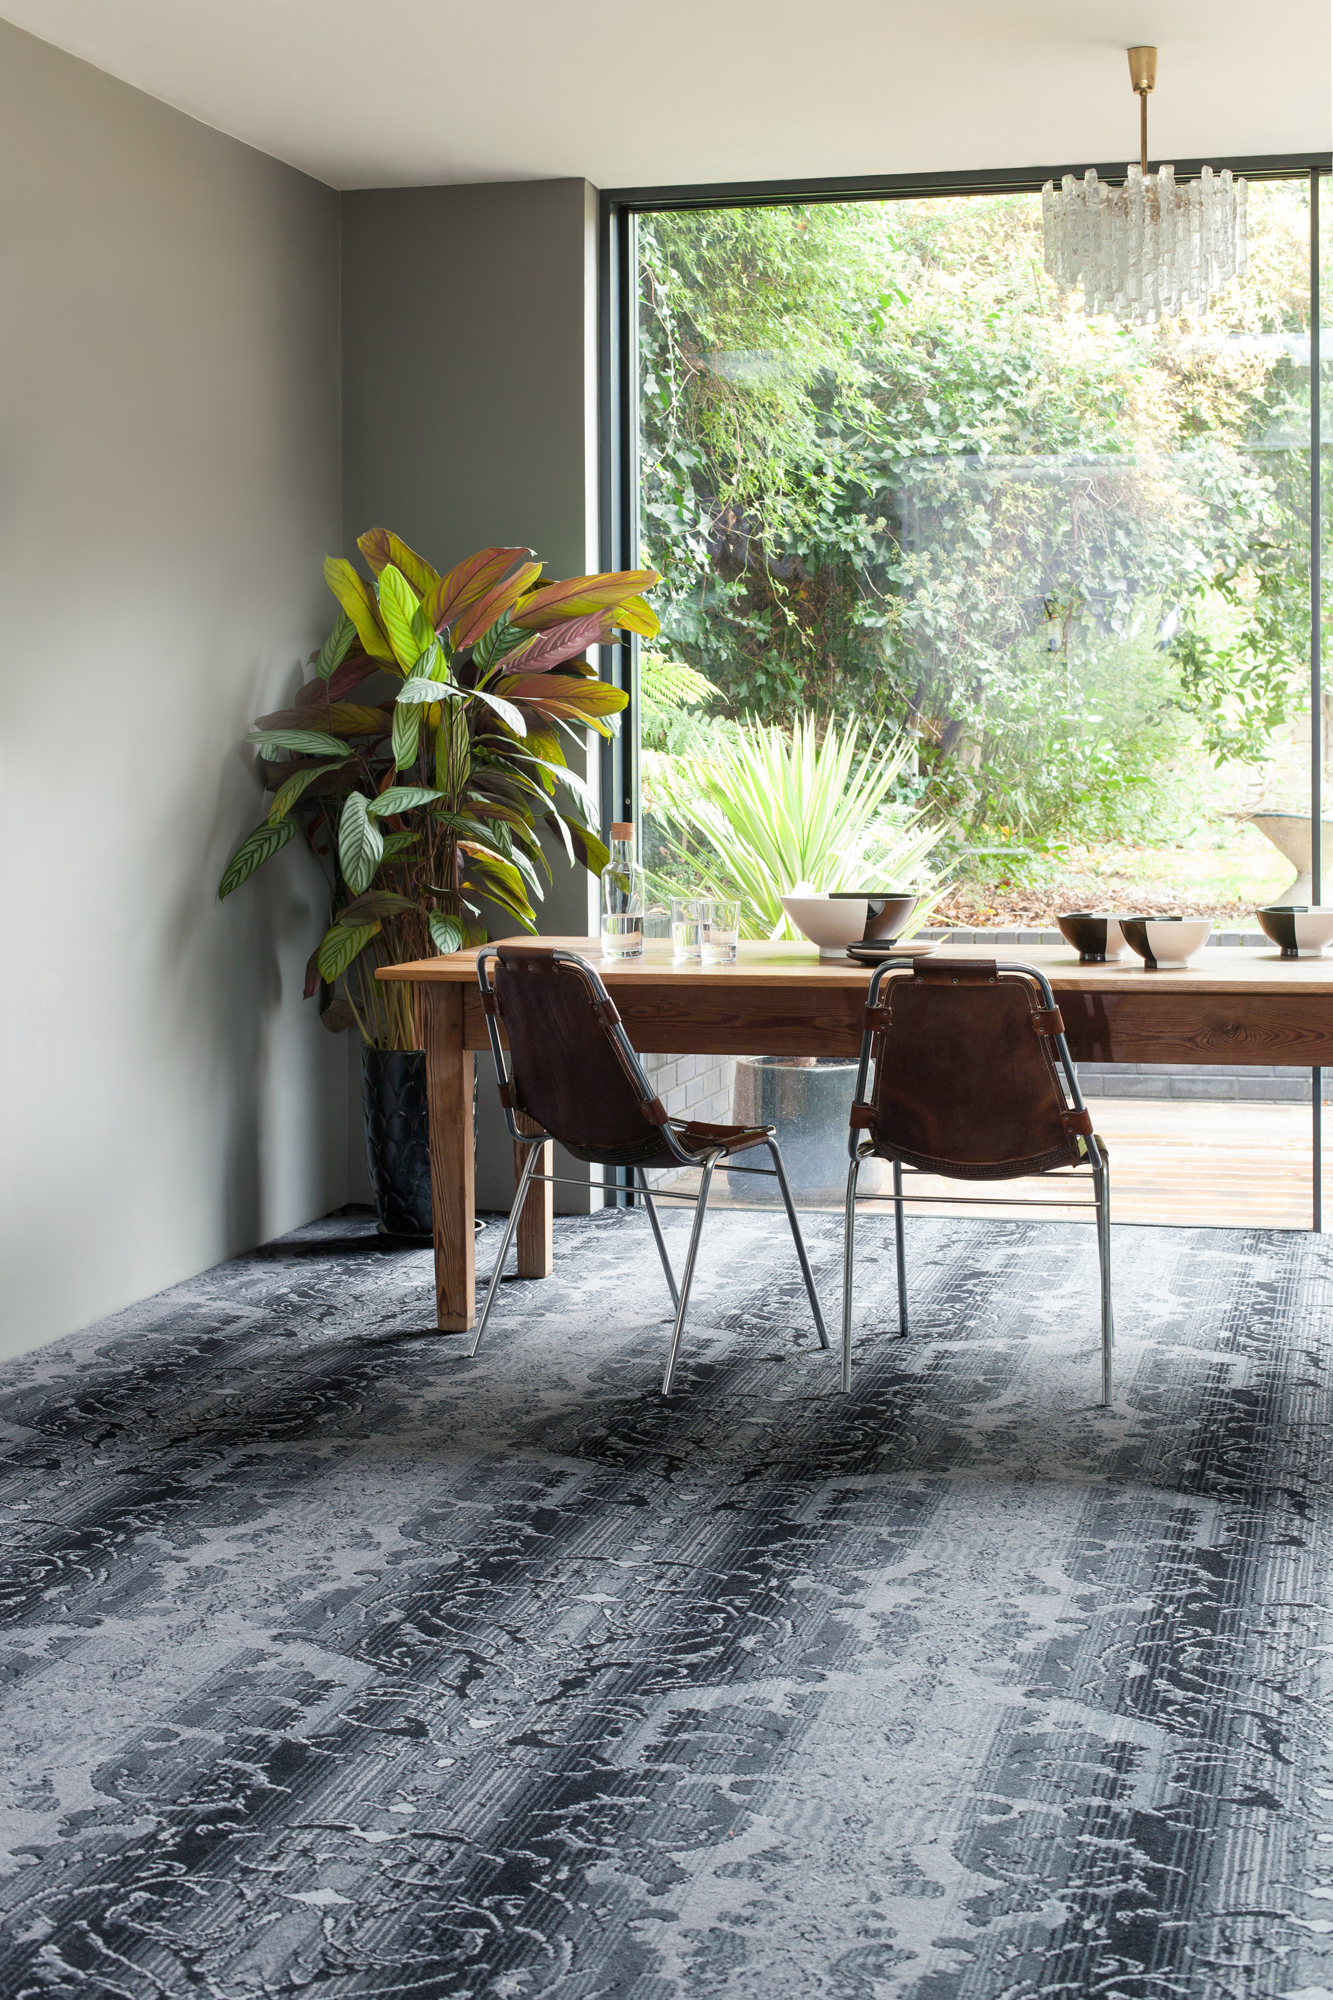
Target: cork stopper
622, 829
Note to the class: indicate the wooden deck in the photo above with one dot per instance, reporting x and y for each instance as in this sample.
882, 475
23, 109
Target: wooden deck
1220, 1165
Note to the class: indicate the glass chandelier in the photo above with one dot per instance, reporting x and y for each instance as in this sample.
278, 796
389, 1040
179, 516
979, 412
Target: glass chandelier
1152, 247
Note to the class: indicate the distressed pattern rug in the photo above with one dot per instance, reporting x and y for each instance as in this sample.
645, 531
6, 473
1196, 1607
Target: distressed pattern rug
334, 1664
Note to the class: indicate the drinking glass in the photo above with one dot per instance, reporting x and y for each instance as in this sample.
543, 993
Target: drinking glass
721, 929
687, 929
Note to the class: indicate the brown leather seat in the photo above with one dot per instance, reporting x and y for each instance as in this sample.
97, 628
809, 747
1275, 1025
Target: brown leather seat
573, 1073
569, 1073
972, 1081
966, 1076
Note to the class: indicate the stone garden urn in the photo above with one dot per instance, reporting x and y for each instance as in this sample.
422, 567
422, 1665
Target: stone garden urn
1290, 835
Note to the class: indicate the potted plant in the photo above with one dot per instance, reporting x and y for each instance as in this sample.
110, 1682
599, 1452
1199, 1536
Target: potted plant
420, 762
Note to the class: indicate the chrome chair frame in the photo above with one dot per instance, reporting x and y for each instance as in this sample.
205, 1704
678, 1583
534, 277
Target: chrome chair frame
705, 1161
860, 1152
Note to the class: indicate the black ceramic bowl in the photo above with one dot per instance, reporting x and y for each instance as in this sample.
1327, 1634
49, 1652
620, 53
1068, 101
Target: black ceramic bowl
1095, 936
886, 913
1300, 929
1166, 943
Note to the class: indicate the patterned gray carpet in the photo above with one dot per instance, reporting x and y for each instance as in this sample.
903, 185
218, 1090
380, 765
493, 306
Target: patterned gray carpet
336, 1665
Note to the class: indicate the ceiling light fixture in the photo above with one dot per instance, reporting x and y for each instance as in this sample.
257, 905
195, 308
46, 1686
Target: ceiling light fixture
1147, 249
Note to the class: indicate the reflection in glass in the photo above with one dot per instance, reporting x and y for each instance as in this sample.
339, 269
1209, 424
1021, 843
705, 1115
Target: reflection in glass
892, 478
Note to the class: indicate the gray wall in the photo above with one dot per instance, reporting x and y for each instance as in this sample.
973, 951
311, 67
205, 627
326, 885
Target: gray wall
469, 418
170, 476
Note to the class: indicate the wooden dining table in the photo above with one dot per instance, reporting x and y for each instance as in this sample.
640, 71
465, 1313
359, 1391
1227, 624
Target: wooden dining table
1231, 1005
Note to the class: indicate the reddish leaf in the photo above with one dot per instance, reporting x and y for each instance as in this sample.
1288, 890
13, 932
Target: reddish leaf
344, 680
346, 718
552, 648
466, 582
563, 693
480, 616
380, 547
578, 594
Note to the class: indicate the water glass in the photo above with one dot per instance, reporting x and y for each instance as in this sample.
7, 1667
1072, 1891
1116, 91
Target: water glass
687, 929
721, 929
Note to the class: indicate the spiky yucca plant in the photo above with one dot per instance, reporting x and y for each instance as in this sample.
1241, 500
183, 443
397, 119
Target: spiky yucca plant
765, 812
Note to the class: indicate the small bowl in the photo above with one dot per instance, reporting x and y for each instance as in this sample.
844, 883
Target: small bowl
1300, 929
831, 922
1096, 938
1166, 943
887, 913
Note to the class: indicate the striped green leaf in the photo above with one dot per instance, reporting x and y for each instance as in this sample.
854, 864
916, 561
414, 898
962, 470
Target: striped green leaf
257, 848
340, 946
401, 799
291, 791
360, 844
446, 932
302, 742
406, 735
335, 648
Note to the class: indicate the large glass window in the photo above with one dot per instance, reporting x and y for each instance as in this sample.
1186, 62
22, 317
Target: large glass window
894, 478
1055, 569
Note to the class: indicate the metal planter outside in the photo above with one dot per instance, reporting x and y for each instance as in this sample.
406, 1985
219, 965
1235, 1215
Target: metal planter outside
808, 1099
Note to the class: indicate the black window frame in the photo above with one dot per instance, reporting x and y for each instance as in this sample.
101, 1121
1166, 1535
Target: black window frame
618, 372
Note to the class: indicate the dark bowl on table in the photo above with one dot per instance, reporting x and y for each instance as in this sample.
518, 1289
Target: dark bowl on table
886, 913
1095, 935
1166, 943
1300, 930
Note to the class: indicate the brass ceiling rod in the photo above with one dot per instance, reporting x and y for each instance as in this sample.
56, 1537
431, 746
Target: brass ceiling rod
1143, 76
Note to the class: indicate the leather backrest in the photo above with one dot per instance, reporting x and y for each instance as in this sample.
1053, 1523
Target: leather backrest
966, 1079
566, 1071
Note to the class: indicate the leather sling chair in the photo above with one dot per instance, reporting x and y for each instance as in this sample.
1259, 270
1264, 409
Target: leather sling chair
971, 1075
574, 1073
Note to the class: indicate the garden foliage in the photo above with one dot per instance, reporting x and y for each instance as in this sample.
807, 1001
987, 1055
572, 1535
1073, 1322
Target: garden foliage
890, 474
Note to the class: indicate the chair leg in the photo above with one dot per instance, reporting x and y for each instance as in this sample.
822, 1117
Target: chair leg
900, 1246
529, 1168
1102, 1192
848, 1252
799, 1241
658, 1237
687, 1279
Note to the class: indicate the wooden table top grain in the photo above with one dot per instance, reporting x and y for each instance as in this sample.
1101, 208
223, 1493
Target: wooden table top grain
1217, 969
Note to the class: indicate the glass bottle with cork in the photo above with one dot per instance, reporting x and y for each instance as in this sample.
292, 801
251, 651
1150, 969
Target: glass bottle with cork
622, 896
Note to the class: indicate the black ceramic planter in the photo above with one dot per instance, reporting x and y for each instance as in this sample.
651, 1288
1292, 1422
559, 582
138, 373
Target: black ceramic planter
393, 1096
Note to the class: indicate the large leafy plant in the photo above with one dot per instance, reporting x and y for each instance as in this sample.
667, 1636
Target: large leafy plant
764, 812
426, 752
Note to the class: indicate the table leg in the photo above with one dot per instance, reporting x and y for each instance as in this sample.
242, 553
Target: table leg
535, 1237
452, 1156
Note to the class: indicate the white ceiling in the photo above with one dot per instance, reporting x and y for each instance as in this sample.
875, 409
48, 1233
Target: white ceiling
638, 92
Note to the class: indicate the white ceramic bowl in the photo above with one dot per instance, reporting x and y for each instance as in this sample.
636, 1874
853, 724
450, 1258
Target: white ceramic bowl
831, 922
1300, 933
1166, 943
